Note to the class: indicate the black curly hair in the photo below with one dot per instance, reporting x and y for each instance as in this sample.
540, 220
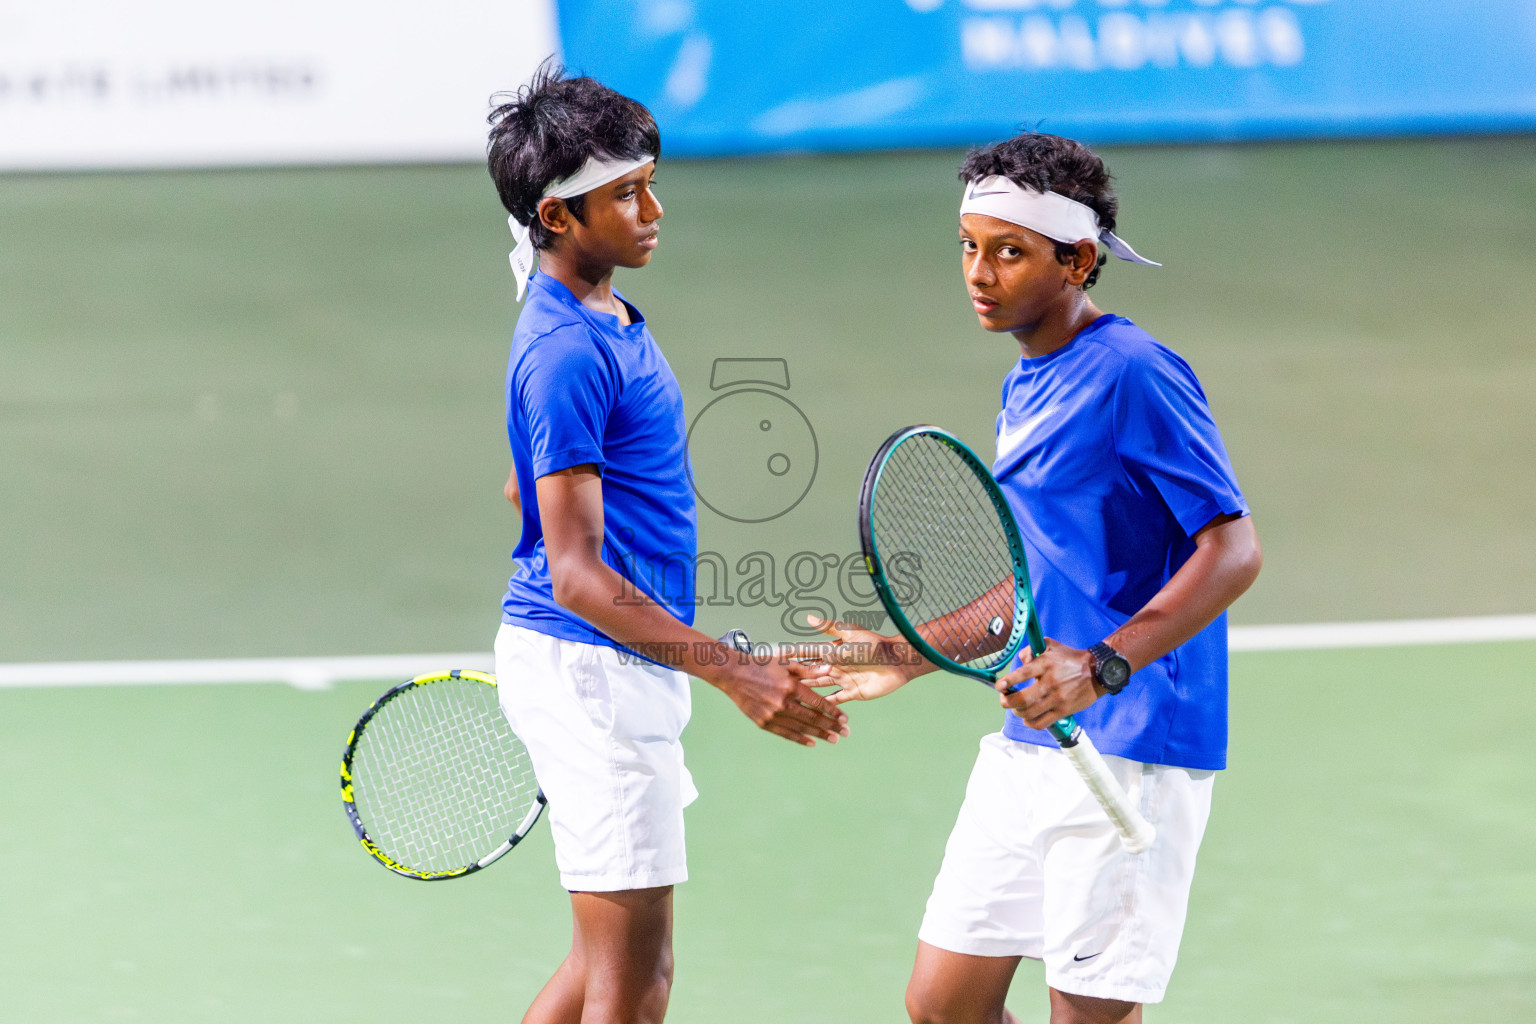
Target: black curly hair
547, 129
1051, 163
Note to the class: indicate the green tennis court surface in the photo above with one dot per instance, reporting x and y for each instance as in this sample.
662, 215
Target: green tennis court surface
179, 854
259, 413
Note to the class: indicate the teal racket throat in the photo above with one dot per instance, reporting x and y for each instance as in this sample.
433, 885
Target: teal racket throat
947, 560
946, 557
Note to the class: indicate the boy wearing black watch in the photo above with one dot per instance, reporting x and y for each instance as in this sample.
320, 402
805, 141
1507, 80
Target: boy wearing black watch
1134, 524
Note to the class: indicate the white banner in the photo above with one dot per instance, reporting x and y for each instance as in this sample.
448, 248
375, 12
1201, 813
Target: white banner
155, 83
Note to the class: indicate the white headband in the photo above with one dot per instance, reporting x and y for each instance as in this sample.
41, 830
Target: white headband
593, 173
1050, 213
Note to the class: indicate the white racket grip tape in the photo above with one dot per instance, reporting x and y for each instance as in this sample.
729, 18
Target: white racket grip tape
1136, 833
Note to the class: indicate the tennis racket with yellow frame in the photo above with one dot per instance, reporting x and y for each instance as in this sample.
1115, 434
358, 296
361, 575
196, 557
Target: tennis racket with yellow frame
433, 779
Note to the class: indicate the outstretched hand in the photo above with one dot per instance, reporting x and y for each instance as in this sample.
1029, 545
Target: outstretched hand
779, 699
862, 664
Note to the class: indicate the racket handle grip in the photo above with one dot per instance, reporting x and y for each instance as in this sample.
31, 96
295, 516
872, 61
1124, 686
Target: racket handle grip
1136, 833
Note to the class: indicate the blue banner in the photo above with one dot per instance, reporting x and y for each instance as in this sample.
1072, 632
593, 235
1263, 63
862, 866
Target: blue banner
734, 76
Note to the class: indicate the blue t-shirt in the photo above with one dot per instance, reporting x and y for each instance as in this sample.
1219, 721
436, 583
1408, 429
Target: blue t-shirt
1110, 459
583, 388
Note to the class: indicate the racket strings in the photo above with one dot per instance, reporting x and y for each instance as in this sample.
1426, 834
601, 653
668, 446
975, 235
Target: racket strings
938, 526
439, 779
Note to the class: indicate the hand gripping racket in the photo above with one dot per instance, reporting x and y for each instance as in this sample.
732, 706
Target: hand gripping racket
948, 563
435, 783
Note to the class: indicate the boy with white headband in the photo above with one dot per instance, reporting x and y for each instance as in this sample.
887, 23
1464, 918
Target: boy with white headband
1138, 539
596, 621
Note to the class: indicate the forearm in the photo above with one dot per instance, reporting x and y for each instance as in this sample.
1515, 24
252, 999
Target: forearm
597, 594
980, 628
1226, 561
571, 507
774, 696
1063, 682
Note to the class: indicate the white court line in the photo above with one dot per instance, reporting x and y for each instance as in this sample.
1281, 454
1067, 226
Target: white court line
320, 673
303, 673
1396, 633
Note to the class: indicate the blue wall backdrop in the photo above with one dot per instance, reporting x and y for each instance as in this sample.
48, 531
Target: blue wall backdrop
734, 76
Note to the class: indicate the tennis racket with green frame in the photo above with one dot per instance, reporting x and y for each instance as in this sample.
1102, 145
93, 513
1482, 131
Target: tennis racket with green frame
948, 562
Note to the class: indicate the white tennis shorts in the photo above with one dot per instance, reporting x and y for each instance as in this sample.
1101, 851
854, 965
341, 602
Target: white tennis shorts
604, 737
1033, 868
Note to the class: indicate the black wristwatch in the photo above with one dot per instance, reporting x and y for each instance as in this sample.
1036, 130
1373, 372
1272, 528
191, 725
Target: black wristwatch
1110, 669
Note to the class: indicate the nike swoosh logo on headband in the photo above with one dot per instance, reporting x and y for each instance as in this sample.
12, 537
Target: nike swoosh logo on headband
977, 195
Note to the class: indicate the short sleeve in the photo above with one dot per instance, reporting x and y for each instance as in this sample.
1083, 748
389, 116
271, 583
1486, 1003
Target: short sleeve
566, 387
1165, 435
